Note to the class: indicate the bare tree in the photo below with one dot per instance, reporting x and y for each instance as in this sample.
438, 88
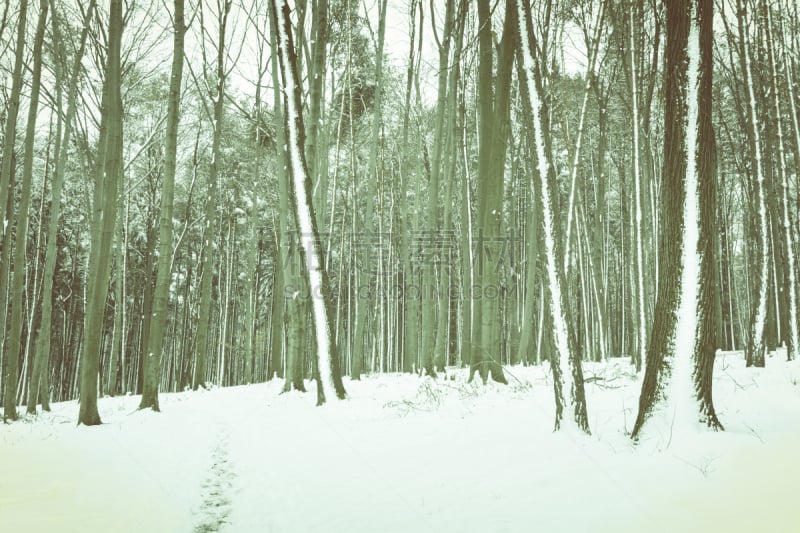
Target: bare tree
108, 169
684, 326
567, 369
155, 339
329, 379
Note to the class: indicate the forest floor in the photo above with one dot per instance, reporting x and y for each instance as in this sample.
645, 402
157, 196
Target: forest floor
405, 454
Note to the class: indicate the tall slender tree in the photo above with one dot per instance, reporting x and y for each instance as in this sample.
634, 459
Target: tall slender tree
329, 378
21, 243
108, 168
785, 228
11, 121
7, 171
202, 348
38, 388
155, 339
755, 350
567, 369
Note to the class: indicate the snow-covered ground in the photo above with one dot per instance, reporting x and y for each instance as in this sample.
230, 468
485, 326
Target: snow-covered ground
404, 454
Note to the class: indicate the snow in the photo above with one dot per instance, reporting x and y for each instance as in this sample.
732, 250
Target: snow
405, 454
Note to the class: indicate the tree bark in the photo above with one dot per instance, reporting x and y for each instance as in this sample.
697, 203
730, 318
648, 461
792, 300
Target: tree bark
202, 348
680, 356
329, 379
107, 175
155, 339
21, 243
567, 369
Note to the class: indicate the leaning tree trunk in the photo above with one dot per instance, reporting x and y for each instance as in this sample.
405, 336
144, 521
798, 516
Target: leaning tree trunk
329, 378
155, 339
567, 369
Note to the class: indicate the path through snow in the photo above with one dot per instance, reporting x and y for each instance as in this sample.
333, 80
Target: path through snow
216, 494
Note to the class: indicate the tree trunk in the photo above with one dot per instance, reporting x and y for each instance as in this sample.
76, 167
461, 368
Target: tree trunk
707, 305
567, 369
21, 243
107, 175
329, 379
155, 339
493, 130
684, 322
755, 351
11, 125
202, 348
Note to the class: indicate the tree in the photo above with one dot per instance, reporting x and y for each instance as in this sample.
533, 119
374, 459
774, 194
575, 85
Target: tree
155, 340
366, 273
684, 324
38, 389
567, 370
7, 171
11, 124
637, 193
21, 243
755, 350
202, 348
329, 378
708, 291
107, 172
785, 227
432, 215
493, 131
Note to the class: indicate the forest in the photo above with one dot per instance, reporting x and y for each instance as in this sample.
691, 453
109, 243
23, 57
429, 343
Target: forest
226, 192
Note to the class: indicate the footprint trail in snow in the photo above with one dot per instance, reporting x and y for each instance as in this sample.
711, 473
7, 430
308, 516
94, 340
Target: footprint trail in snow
215, 504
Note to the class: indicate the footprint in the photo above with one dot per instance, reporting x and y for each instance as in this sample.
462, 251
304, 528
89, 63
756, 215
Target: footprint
215, 505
